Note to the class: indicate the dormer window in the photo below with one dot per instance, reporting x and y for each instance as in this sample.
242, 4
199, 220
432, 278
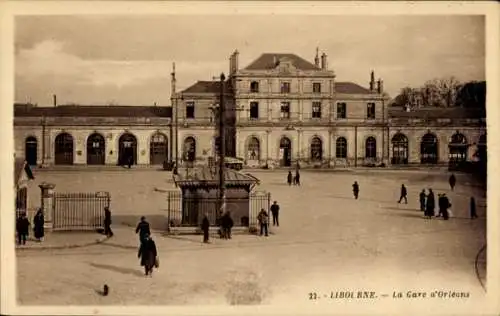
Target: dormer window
254, 87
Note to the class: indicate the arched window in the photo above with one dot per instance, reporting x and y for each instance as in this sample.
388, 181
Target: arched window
399, 149
63, 149
96, 149
189, 149
316, 149
429, 149
286, 152
31, 150
371, 148
341, 148
127, 149
158, 149
458, 148
254, 87
253, 149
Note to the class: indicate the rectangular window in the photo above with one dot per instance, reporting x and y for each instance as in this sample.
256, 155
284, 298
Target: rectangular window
285, 87
341, 110
316, 110
285, 110
254, 87
370, 111
316, 87
190, 110
254, 110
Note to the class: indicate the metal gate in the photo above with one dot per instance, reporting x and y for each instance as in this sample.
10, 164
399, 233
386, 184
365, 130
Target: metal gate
80, 211
188, 211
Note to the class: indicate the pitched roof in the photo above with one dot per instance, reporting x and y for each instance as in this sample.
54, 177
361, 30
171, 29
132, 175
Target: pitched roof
28, 110
206, 87
350, 88
437, 113
269, 61
204, 177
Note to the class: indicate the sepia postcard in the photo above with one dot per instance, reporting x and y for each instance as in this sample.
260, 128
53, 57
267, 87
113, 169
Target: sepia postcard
238, 158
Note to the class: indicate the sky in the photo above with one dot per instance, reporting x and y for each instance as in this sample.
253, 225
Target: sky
127, 60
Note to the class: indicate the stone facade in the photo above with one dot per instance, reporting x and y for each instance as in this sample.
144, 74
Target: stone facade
280, 110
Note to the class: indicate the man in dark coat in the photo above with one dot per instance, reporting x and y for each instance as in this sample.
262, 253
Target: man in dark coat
22, 227
422, 200
452, 181
205, 227
263, 219
445, 206
143, 229
107, 222
148, 254
289, 178
430, 205
440, 204
227, 224
403, 195
39, 222
275, 211
473, 213
355, 189
297, 177
130, 161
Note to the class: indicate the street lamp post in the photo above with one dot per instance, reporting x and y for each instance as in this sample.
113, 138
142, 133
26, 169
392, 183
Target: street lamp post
222, 147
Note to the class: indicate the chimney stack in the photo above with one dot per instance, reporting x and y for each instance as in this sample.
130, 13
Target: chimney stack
316, 58
235, 60
55, 100
324, 62
380, 86
372, 81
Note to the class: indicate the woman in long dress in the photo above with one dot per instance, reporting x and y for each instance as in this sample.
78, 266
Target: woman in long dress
148, 255
39, 222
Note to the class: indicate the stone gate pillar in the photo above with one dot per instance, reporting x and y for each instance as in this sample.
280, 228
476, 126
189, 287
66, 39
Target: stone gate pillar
47, 203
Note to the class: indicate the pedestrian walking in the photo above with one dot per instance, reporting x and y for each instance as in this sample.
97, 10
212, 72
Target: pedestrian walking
205, 227
473, 213
130, 161
297, 177
227, 225
148, 255
355, 189
289, 178
430, 205
263, 219
22, 228
38, 223
143, 229
452, 181
444, 205
422, 200
403, 194
107, 222
275, 211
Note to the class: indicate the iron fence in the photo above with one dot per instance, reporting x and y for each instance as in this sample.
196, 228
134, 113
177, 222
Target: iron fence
189, 211
80, 211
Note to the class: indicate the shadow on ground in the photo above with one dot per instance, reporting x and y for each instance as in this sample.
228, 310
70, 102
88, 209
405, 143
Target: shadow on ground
156, 221
121, 270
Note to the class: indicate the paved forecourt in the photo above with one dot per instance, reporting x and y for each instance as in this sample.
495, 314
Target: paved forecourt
326, 241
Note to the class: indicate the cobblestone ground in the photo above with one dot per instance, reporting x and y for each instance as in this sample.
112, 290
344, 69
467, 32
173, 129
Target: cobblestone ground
327, 241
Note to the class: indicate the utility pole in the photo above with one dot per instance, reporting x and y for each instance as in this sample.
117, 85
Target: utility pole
222, 147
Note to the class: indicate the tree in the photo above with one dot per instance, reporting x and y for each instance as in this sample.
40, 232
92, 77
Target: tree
447, 90
472, 95
430, 93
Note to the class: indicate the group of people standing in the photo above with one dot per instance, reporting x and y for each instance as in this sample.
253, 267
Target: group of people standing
23, 227
295, 180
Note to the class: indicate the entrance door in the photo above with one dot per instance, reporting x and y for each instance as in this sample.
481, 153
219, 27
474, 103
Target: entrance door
286, 152
429, 149
127, 145
96, 150
31, 151
63, 149
158, 151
